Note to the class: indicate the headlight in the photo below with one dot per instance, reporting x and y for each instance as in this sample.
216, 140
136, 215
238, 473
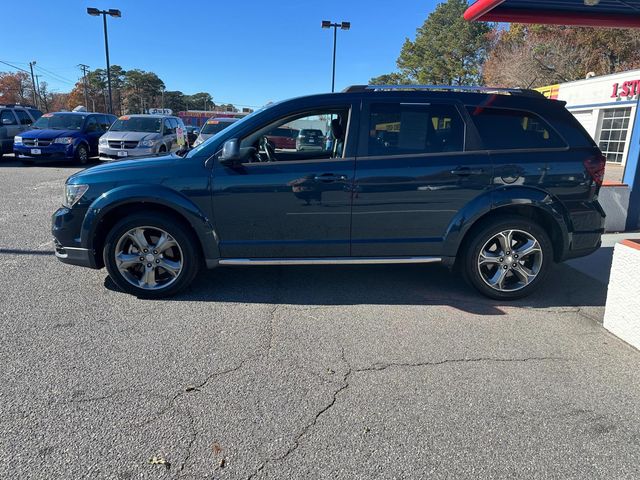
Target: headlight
65, 140
17, 139
148, 143
73, 193
103, 141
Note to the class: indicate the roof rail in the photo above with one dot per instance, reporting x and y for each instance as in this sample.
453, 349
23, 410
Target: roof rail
445, 88
13, 105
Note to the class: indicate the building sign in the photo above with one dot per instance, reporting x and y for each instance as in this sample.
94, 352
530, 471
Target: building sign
627, 89
160, 111
550, 91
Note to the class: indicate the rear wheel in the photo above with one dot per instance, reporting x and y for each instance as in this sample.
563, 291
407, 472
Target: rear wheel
507, 258
151, 255
162, 149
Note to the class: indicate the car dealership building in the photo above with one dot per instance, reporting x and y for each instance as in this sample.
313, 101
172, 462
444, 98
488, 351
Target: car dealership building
606, 106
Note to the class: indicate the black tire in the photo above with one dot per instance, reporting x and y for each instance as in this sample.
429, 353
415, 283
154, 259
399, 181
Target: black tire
82, 154
27, 162
187, 250
480, 240
162, 149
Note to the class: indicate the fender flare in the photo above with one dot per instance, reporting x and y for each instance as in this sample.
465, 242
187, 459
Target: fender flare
156, 195
506, 196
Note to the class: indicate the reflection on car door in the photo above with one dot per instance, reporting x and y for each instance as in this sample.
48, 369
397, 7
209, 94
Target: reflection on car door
413, 174
298, 207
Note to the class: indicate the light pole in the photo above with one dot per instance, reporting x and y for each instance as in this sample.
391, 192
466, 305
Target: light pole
112, 12
343, 26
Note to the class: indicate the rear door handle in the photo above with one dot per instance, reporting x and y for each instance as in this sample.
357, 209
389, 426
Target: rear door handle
467, 171
330, 177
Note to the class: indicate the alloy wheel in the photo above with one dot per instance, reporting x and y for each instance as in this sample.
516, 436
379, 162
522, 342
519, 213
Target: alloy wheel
510, 260
149, 258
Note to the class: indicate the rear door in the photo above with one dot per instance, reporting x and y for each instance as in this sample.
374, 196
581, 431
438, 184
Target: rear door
414, 172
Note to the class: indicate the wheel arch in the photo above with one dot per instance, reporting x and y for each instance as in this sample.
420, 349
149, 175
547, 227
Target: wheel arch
530, 203
109, 208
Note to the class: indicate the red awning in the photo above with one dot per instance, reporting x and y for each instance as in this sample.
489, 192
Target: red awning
605, 13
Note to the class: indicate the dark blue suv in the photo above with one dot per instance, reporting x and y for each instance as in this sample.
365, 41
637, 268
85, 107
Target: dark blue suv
63, 136
499, 183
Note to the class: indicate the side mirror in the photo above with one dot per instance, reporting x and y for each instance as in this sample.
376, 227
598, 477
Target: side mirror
230, 152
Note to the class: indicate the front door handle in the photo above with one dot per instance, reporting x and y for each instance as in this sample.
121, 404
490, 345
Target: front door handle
463, 171
330, 177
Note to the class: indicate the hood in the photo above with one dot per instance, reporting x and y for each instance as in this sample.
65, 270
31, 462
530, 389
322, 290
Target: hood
122, 165
129, 136
50, 133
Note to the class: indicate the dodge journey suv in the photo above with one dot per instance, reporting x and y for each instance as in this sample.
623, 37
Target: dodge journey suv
497, 183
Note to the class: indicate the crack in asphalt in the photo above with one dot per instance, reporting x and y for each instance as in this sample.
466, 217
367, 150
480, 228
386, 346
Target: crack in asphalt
312, 423
376, 367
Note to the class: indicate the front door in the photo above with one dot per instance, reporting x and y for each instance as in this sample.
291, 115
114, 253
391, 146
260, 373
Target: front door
414, 173
283, 201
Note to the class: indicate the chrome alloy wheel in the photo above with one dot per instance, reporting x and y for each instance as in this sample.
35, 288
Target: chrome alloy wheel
510, 260
148, 258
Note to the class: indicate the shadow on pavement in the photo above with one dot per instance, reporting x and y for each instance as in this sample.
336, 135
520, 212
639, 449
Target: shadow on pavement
380, 285
18, 251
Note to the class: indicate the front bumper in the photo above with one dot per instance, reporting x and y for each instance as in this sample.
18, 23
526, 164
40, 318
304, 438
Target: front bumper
66, 225
108, 153
52, 151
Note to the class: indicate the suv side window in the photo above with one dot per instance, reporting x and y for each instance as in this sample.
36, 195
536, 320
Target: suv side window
92, 124
506, 129
410, 129
168, 128
7, 118
103, 123
23, 117
36, 114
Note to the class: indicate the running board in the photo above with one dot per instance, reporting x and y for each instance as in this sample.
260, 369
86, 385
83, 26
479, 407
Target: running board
327, 261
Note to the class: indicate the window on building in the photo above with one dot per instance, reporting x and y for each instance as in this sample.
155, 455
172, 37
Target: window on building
505, 129
399, 129
613, 133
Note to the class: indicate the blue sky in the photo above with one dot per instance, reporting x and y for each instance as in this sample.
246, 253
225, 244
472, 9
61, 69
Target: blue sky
246, 52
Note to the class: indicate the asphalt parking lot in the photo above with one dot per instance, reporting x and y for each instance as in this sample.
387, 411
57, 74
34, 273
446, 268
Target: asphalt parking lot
299, 372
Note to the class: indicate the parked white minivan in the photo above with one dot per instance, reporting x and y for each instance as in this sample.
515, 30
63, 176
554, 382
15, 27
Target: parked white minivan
142, 135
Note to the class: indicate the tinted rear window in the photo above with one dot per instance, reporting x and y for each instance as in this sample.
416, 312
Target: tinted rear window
505, 129
401, 129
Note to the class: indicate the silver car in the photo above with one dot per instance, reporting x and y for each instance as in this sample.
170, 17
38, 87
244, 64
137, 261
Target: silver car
140, 135
211, 127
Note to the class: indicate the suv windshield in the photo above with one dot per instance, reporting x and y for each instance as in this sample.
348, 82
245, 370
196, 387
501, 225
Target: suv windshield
60, 121
214, 126
137, 124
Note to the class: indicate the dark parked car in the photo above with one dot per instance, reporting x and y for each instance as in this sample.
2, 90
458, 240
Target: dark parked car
310, 139
63, 136
15, 119
500, 183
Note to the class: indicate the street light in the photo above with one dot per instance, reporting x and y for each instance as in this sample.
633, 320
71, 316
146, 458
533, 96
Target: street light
342, 26
112, 12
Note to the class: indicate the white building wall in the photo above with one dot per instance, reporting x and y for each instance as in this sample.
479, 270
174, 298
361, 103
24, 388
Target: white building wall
588, 99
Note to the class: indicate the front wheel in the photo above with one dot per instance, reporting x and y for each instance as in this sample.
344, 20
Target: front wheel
151, 255
507, 258
82, 155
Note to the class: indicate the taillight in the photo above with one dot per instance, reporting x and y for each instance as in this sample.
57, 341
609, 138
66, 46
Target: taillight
595, 167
